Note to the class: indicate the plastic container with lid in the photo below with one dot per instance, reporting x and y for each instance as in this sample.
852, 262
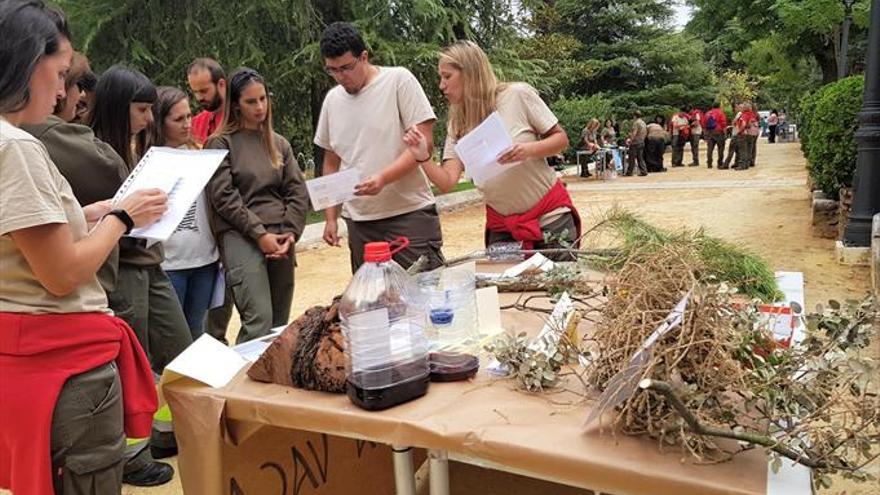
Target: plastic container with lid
383, 320
452, 330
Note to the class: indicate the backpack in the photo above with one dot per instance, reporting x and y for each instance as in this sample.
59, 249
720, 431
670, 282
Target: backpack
711, 123
685, 132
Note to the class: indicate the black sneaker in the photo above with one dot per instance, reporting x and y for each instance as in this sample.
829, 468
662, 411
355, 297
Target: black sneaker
153, 474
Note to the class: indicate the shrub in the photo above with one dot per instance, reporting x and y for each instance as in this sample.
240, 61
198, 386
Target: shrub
574, 113
827, 124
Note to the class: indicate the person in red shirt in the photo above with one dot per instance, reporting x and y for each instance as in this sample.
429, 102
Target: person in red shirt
714, 128
750, 130
207, 81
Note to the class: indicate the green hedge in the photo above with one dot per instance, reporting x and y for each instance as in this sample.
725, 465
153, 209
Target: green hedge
574, 113
826, 127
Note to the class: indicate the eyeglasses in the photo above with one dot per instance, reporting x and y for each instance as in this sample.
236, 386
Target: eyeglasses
332, 71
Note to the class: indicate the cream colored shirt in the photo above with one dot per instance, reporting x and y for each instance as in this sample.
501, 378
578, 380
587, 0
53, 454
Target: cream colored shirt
366, 130
33, 192
526, 118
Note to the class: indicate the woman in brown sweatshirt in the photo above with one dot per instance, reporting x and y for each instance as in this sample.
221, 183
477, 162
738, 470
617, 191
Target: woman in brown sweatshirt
259, 199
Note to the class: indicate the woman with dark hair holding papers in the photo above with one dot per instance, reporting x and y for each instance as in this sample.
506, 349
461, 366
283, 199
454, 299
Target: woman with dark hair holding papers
260, 202
527, 203
144, 296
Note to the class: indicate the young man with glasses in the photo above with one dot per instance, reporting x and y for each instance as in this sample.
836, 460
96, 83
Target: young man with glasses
362, 123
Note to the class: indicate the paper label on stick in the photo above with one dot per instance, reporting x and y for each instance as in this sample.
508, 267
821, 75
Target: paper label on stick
624, 383
537, 261
489, 311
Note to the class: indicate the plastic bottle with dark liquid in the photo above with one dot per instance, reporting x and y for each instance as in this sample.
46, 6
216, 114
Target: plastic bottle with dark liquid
383, 319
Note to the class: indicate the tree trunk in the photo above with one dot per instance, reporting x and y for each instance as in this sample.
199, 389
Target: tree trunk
827, 62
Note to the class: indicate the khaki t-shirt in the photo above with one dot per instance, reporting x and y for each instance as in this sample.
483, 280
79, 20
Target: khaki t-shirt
33, 192
366, 131
526, 118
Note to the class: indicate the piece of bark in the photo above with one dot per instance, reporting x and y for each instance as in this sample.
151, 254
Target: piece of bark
274, 364
309, 353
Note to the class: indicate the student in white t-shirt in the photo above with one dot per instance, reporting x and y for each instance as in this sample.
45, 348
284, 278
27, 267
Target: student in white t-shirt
191, 252
527, 203
362, 123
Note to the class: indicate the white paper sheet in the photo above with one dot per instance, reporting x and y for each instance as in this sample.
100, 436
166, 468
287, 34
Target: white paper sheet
331, 190
479, 149
489, 311
208, 361
181, 173
253, 349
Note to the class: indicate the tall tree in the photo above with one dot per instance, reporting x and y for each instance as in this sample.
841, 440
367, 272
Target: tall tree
799, 28
280, 38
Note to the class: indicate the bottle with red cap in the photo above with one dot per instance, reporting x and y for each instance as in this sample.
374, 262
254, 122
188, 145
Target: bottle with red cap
383, 320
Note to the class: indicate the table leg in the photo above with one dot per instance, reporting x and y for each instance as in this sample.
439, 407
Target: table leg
404, 476
439, 477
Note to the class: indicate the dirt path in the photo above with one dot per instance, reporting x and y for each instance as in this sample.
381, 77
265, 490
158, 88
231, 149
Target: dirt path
766, 209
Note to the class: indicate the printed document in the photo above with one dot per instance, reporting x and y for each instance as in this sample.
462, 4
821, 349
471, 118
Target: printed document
331, 190
479, 149
182, 174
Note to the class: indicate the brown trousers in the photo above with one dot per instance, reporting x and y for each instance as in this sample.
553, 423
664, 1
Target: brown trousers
562, 226
421, 227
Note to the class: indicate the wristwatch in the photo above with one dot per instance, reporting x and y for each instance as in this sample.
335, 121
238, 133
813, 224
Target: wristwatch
123, 217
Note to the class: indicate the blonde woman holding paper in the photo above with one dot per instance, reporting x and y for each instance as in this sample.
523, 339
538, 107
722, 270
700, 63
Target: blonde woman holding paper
260, 202
527, 203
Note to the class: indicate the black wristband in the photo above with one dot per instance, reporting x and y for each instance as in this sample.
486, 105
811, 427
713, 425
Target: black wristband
123, 217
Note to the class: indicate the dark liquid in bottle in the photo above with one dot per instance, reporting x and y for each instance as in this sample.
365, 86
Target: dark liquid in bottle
409, 382
452, 367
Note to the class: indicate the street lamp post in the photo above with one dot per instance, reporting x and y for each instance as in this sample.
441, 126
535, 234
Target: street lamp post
866, 185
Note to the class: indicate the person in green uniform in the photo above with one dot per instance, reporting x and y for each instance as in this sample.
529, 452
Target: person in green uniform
259, 201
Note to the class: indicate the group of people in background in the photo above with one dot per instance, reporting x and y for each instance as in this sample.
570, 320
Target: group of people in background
78, 285
646, 144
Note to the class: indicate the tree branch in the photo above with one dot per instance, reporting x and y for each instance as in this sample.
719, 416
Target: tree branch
698, 428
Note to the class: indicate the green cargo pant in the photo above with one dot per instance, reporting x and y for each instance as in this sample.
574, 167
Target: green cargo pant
677, 151
145, 299
716, 139
734, 151
87, 438
262, 289
745, 154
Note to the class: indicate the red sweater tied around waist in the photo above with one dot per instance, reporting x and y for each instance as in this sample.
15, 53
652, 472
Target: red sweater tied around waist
526, 226
38, 353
